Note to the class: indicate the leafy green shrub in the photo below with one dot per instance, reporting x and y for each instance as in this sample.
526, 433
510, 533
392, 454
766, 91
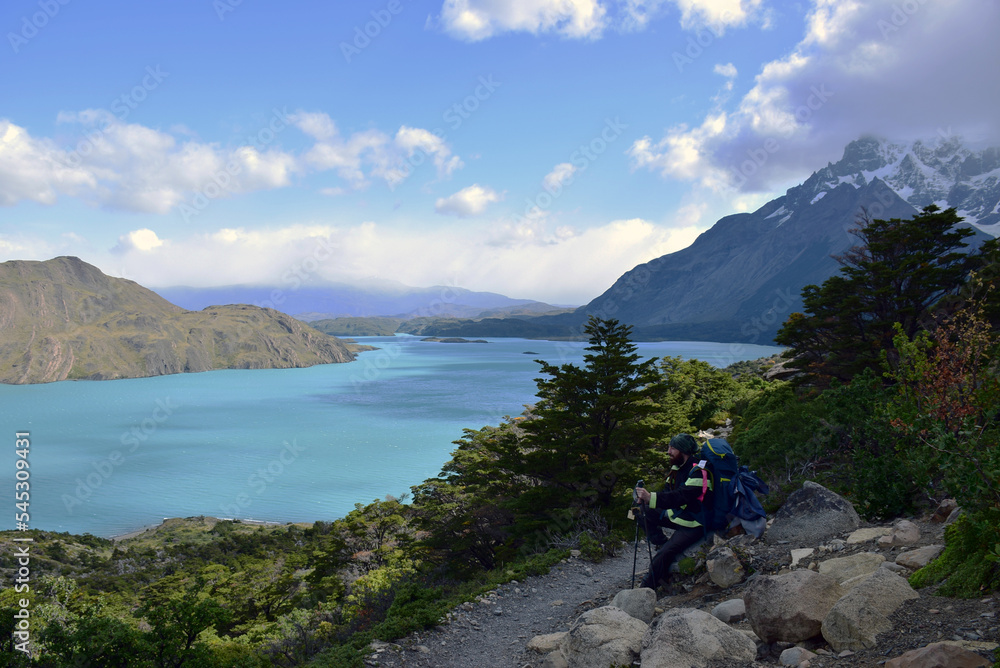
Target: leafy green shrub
882, 485
968, 564
415, 607
780, 434
591, 549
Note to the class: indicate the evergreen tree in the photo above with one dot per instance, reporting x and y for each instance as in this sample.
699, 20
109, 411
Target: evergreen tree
897, 273
590, 424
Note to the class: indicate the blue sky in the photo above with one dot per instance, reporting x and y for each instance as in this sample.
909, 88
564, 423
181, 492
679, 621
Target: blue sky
537, 148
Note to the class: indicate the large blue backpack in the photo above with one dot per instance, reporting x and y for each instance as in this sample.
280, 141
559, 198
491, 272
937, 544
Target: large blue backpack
733, 489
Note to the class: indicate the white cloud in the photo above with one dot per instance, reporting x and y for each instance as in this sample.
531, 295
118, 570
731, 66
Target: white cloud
373, 153
716, 14
728, 70
35, 169
143, 240
861, 68
533, 262
470, 201
560, 175
474, 20
136, 168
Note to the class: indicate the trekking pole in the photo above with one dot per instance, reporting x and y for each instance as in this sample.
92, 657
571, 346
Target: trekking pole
635, 552
649, 543
635, 545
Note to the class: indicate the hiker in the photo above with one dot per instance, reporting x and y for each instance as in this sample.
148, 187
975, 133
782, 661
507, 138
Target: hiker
676, 506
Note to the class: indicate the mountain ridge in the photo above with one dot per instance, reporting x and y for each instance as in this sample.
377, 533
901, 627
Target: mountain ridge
63, 319
742, 277
336, 300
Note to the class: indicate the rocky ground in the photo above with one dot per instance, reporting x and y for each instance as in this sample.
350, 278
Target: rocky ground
494, 632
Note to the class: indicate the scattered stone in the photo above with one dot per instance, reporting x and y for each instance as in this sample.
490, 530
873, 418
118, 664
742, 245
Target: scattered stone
812, 514
690, 637
554, 660
790, 607
794, 656
938, 654
730, 612
549, 642
836, 545
556, 603
843, 569
863, 613
800, 554
974, 645
867, 534
893, 567
724, 567
603, 637
920, 557
944, 511
639, 603
905, 533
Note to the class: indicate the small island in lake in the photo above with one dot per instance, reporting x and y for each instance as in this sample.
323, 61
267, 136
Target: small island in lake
453, 339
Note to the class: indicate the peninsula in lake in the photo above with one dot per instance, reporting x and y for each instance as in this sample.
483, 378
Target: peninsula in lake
63, 319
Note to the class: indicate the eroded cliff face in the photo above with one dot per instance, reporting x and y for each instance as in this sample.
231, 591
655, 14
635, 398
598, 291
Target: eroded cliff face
64, 319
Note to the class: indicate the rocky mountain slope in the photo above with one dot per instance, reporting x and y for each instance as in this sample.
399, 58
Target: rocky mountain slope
64, 319
740, 279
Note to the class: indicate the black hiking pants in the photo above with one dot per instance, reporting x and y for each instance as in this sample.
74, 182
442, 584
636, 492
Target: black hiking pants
668, 549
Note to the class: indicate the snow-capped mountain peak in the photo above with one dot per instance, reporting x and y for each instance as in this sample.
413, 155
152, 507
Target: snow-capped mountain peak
943, 172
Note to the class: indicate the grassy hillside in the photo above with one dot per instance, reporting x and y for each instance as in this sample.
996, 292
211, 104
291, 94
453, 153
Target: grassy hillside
64, 319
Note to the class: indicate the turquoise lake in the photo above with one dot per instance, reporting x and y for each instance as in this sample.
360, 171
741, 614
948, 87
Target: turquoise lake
108, 457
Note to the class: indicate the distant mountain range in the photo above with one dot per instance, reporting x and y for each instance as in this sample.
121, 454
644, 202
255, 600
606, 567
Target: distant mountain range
381, 298
741, 279
64, 319
738, 282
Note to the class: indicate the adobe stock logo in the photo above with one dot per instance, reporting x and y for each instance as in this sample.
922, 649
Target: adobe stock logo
363, 35
48, 9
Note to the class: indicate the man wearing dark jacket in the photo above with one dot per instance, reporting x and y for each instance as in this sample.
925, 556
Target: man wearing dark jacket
677, 506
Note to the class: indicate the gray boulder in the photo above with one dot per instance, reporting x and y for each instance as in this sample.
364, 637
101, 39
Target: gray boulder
843, 569
724, 568
794, 656
811, 515
693, 638
863, 613
548, 642
944, 511
904, 533
790, 607
938, 654
604, 637
731, 611
920, 557
639, 603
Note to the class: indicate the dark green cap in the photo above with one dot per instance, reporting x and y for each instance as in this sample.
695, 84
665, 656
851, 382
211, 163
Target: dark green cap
684, 443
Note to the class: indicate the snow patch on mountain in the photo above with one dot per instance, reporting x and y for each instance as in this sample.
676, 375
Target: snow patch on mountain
942, 172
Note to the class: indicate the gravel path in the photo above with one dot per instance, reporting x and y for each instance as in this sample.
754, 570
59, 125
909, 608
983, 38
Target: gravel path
493, 632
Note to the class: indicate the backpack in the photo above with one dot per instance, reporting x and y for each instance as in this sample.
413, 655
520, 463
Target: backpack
733, 488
